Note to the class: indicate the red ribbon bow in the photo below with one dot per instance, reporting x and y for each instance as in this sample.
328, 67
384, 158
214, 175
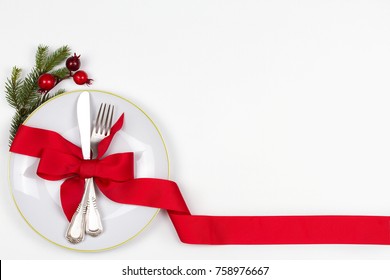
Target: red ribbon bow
55, 165
113, 174
61, 159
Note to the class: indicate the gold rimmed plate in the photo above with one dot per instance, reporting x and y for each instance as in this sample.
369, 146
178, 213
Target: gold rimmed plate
38, 200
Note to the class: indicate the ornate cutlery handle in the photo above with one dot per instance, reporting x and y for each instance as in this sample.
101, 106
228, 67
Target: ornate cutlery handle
76, 228
94, 225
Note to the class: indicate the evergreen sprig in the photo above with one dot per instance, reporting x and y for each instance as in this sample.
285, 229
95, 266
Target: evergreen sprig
56, 58
12, 88
41, 56
23, 94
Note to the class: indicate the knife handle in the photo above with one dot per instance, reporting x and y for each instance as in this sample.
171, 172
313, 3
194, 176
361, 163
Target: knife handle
76, 228
94, 225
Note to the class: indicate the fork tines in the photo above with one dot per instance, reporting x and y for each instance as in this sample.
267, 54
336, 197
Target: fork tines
104, 118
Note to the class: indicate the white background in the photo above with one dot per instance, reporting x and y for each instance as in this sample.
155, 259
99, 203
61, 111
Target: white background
267, 108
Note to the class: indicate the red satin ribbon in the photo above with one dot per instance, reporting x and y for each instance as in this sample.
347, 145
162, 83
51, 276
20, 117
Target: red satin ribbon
114, 176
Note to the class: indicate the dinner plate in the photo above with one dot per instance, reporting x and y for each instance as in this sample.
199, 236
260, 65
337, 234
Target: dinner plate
38, 200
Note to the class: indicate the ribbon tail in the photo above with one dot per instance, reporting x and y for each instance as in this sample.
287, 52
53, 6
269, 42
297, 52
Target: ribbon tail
156, 193
71, 193
218, 230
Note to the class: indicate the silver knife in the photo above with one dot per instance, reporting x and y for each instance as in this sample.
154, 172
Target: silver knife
76, 229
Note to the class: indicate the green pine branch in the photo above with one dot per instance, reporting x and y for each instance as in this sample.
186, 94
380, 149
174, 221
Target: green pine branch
56, 58
17, 119
23, 94
61, 73
29, 88
41, 57
12, 87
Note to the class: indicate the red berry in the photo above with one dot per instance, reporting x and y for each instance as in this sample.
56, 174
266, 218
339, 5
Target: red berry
73, 62
46, 81
81, 78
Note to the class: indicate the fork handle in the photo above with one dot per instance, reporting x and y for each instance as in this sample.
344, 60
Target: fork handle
94, 225
76, 228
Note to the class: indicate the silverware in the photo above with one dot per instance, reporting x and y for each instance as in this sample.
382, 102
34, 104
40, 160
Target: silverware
101, 130
75, 231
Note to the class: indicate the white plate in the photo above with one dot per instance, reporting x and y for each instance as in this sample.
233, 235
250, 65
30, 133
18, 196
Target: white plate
38, 200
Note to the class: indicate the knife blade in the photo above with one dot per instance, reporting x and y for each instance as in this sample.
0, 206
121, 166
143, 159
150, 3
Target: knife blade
84, 121
75, 232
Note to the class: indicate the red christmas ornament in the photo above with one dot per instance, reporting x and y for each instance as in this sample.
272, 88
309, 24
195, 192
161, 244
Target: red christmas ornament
81, 78
73, 63
46, 82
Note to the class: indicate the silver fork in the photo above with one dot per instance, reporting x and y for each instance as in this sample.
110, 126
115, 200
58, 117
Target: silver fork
100, 130
87, 210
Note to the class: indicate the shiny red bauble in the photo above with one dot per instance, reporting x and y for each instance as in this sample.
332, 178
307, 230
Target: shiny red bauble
46, 81
81, 78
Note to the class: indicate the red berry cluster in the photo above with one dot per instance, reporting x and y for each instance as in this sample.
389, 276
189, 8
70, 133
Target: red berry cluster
47, 81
